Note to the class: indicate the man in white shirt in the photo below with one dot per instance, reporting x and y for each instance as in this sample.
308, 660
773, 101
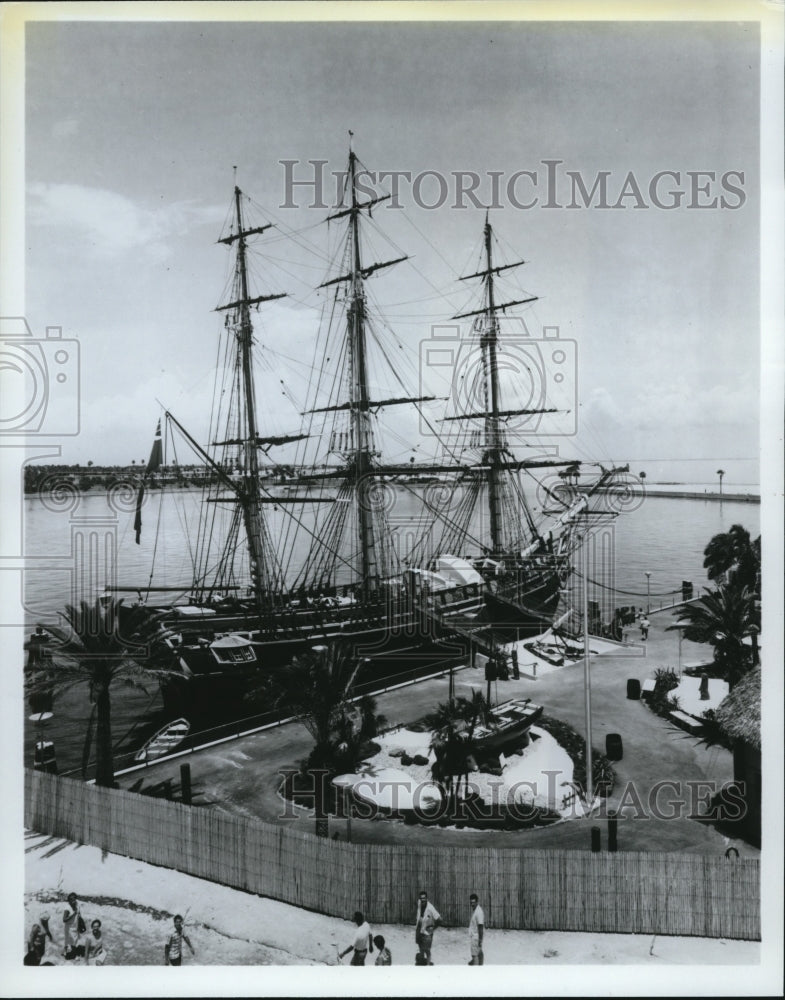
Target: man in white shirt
363, 941
73, 929
427, 919
476, 930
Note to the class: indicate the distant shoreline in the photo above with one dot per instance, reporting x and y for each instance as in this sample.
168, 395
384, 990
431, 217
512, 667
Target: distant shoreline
753, 498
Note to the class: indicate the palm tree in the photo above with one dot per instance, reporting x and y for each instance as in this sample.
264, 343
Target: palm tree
94, 648
723, 618
316, 688
732, 557
720, 473
454, 743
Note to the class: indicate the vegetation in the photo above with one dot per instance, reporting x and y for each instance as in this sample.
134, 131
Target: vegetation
454, 744
317, 688
661, 700
92, 647
730, 613
575, 746
734, 559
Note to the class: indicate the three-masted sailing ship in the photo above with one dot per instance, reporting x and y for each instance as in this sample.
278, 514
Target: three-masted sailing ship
246, 609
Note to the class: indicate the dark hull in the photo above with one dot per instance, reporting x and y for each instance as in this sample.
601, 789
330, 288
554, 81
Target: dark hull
524, 607
396, 642
394, 645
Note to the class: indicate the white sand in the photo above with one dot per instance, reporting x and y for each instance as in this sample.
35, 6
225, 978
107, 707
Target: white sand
539, 775
229, 927
688, 695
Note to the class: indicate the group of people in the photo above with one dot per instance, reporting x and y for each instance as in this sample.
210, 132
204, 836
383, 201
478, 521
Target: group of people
80, 946
86, 947
427, 919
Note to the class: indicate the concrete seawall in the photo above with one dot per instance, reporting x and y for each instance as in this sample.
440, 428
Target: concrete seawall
693, 495
728, 497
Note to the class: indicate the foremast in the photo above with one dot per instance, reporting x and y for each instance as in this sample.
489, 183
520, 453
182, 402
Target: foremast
265, 576
360, 412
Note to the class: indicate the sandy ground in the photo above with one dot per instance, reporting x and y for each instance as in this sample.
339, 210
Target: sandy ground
136, 903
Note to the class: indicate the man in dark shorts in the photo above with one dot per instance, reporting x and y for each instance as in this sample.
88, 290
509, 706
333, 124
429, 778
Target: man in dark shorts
173, 949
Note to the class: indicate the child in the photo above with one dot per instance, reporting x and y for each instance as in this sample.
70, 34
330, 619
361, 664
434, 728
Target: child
173, 949
384, 957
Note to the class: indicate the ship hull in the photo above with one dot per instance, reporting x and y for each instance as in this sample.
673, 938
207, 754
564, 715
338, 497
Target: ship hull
396, 644
525, 605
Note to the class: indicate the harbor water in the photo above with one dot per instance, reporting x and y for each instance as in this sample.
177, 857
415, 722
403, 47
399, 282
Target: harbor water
642, 557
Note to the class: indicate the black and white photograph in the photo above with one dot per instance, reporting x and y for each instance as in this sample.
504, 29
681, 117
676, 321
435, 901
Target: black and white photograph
392, 473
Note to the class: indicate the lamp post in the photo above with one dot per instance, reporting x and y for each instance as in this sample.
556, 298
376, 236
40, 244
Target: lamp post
680, 626
648, 591
586, 669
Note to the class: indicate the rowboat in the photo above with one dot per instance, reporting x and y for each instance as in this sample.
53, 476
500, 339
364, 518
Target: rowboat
164, 741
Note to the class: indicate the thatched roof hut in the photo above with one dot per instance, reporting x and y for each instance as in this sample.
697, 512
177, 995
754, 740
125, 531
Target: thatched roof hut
739, 713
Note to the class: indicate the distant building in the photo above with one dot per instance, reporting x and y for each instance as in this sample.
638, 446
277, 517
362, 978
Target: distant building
738, 716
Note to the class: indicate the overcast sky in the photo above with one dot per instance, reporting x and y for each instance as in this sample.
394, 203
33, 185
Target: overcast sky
132, 131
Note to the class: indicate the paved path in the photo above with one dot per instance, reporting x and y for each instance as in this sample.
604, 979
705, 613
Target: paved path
242, 776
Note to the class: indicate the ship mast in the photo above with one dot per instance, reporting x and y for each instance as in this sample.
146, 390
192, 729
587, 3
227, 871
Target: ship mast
495, 458
249, 495
362, 431
493, 435
362, 468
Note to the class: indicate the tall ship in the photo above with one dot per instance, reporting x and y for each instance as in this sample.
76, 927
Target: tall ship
321, 556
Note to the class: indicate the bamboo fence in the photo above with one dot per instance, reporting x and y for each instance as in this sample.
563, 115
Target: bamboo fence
625, 892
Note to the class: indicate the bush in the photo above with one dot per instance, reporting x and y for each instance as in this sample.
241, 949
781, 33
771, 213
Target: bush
665, 680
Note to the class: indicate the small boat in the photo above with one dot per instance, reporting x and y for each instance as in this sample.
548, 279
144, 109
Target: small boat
509, 722
164, 741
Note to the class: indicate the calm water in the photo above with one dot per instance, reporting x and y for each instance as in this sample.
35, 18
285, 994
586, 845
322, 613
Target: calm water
663, 536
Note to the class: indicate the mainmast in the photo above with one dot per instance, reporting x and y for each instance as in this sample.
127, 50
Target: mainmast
248, 436
361, 453
495, 458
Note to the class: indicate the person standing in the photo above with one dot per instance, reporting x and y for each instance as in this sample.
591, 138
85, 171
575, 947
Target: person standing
173, 949
384, 957
476, 930
645, 626
427, 919
74, 928
363, 941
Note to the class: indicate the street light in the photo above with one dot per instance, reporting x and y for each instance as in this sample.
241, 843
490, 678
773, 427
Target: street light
648, 591
680, 626
586, 669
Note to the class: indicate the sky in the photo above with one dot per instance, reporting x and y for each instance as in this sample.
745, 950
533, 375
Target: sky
132, 131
